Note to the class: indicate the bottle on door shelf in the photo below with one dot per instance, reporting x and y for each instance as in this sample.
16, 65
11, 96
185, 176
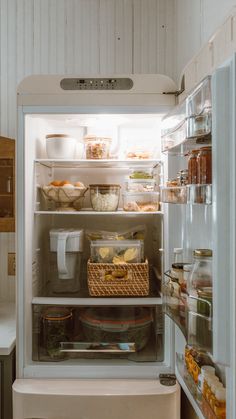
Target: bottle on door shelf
192, 167
214, 387
219, 406
205, 369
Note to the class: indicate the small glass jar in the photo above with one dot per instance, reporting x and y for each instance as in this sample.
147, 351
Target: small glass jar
56, 328
204, 166
193, 167
182, 177
97, 147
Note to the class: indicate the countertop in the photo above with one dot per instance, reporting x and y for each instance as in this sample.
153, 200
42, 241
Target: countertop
7, 327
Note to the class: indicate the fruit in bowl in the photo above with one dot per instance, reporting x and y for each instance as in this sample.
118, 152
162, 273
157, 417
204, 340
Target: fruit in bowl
66, 195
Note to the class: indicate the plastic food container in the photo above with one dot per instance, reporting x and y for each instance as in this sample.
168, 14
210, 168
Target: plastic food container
144, 202
141, 173
117, 251
104, 197
60, 146
140, 185
138, 153
97, 147
117, 324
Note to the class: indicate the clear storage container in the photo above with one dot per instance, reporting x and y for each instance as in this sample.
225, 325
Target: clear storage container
104, 197
97, 147
117, 251
141, 173
140, 185
201, 274
144, 202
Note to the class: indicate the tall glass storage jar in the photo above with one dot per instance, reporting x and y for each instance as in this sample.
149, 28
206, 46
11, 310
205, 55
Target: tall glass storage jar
201, 274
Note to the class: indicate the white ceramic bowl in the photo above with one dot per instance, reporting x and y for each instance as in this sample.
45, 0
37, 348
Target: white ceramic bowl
60, 146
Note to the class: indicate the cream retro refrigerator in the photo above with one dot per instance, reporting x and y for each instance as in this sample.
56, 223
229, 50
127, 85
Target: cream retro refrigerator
93, 314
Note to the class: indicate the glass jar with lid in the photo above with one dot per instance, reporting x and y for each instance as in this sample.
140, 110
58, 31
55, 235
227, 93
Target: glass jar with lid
204, 166
56, 328
193, 167
201, 274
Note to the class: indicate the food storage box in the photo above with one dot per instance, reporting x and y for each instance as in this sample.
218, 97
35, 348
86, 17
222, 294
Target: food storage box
97, 147
117, 324
140, 185
141, 173
144, 202
104, 197
174, 195
117, 251
118, 280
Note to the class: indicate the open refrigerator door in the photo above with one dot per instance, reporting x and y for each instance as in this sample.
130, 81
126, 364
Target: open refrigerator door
198, 139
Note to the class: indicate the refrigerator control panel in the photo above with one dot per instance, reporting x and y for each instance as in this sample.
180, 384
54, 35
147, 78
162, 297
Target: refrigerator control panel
96, 84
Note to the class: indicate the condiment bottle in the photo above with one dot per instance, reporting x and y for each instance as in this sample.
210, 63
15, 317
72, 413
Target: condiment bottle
204, 166
214, 388
219, 406
211, 380
207, 376
193, 167
205, 369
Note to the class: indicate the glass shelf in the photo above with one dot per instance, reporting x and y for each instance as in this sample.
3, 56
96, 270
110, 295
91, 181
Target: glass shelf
189, 194
88, 211
106, 163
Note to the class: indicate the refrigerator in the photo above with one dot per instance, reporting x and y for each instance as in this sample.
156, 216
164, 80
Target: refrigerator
107, 328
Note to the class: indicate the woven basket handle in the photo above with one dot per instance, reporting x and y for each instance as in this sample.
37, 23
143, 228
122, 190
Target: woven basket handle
110, 275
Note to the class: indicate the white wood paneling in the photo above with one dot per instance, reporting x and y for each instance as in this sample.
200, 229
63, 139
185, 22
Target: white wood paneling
77, 36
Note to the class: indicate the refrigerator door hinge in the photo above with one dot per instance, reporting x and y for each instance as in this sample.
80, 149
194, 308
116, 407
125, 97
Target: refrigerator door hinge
177, 92
167, 379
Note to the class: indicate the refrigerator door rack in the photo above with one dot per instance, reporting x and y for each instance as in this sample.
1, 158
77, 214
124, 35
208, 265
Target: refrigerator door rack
193, 315
190, 194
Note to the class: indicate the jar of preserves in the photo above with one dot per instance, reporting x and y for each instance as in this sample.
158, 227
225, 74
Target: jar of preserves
182, 177
193, 167
204, 166
56, 328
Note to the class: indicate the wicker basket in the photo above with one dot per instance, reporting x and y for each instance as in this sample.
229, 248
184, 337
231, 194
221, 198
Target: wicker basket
110, 280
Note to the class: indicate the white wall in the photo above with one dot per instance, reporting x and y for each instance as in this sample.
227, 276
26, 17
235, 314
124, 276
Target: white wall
196, 21
77, 36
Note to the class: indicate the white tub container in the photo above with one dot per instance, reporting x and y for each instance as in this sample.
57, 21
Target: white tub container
60, 146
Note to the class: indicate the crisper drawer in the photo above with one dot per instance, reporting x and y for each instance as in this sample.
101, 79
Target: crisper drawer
62, 333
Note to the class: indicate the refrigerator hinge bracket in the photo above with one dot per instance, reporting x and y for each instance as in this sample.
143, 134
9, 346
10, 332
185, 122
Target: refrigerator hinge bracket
177, 92
167, 379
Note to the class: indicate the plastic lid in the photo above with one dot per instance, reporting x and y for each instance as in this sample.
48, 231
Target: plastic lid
57, 314
208, 368
95, 138
178, 250
108, 185
58, 136
70, 232
220, 394
202, 252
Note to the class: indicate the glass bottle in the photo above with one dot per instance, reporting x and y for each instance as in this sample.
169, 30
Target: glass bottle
219, 406
201, 274
204, 166
192, 167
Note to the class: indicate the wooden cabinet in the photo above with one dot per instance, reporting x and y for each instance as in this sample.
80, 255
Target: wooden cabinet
7, 376
7, 184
